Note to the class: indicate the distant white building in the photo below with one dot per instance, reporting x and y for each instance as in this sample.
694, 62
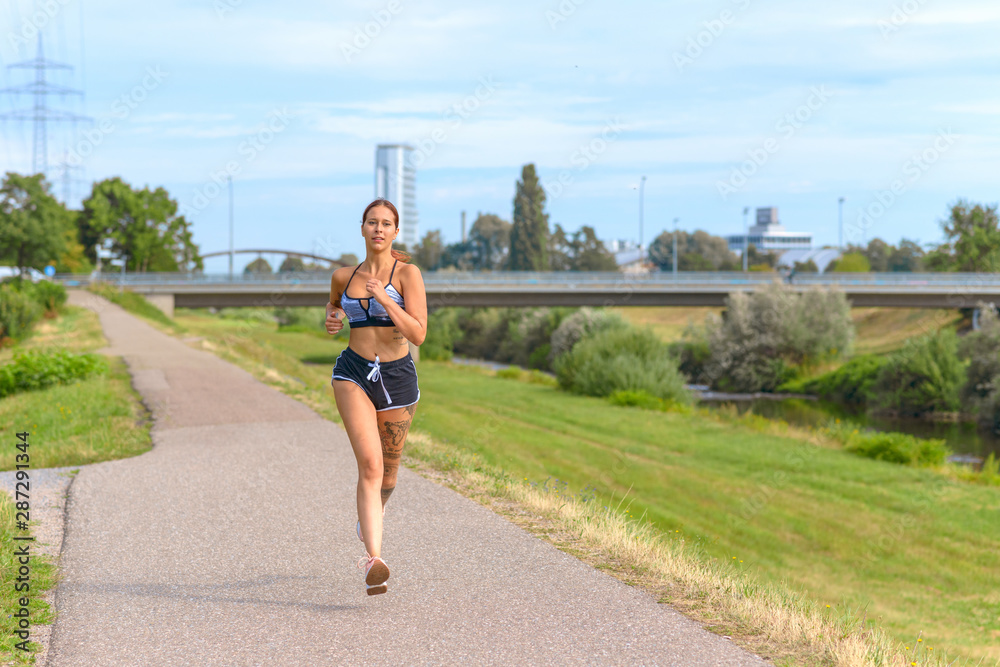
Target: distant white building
396, 180
629, 257
769, 234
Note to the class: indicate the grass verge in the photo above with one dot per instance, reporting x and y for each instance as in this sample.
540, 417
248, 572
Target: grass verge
42, 579
136, 304
799, 551
97, 419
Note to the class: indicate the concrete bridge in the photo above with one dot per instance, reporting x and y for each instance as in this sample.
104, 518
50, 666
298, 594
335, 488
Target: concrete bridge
446, 288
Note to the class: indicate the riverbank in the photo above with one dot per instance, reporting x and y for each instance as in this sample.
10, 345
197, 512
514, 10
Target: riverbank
848, 532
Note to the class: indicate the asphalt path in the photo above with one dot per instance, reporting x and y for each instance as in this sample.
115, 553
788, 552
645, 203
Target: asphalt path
232, 542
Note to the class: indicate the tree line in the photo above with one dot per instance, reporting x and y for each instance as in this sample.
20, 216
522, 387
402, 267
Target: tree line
525, 244
37, 230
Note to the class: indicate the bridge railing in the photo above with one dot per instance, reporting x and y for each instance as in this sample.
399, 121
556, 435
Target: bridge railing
569, 279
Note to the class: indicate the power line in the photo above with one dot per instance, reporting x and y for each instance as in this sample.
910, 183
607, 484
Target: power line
40, 113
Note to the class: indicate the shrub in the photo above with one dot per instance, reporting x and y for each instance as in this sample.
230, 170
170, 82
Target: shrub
301, 318
527, 330
442, 332
38, 369
693, 354
761, 337
18, 312
639, 399
981, 349
924, 376
517, 336
484, 329
898, 448
509, 373
584, 322
621, 359
852, 384
51, 296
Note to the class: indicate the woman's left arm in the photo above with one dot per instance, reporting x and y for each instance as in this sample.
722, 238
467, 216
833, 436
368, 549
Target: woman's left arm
412, 322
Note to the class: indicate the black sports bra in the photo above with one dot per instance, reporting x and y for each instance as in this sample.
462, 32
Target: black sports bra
372, 315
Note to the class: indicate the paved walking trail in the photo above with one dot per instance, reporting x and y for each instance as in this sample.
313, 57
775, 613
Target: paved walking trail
232, 543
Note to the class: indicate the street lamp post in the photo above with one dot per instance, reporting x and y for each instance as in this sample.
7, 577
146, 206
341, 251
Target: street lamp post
840, 215
746, 240
642, 183
231, 227
676, 220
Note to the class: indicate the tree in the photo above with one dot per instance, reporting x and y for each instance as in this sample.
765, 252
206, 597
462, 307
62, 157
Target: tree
589, 253
972, 237
428, 253
878, 252
258, 266
761, 259
292, 265
699, 251
33, 223
143, 224
489, 241
560, 250
807, 266
529, 233
907, 257
852, 262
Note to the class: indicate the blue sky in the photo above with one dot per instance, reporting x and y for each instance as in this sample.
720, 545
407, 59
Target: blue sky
721, 105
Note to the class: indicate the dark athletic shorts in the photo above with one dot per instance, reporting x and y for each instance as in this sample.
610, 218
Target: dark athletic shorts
389, 384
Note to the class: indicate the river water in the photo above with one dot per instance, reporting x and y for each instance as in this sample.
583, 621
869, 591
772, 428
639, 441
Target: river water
964, 438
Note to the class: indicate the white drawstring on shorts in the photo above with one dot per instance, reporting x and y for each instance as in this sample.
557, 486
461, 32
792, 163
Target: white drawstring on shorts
376, 374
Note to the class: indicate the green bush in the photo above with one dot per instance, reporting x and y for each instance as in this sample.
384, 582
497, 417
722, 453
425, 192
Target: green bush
37, 369
639, 399
509, 373
18, 312
442, 332
851, 384
693, 354
981, 349
51, 296
762, 337
519, 336
924, 376
898, 448
628, 359
483, 331
581, 324
300, 318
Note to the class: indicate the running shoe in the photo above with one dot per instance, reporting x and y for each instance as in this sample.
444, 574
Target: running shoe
376, 573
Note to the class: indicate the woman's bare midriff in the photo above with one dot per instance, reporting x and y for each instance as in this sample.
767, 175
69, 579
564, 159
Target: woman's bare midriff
385, 342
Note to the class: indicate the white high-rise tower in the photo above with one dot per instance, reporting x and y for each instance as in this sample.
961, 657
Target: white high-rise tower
396, 180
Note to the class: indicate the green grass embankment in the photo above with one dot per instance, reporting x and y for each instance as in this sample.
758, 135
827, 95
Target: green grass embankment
96, 419
40, 579
905, 547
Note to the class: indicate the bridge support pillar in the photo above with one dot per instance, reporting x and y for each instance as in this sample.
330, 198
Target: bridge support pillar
164, 302
414, 351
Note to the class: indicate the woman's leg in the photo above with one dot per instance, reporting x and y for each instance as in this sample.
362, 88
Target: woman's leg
393, 425
360, 423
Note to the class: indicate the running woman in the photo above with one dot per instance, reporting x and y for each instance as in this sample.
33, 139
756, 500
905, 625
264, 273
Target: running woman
375, 380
